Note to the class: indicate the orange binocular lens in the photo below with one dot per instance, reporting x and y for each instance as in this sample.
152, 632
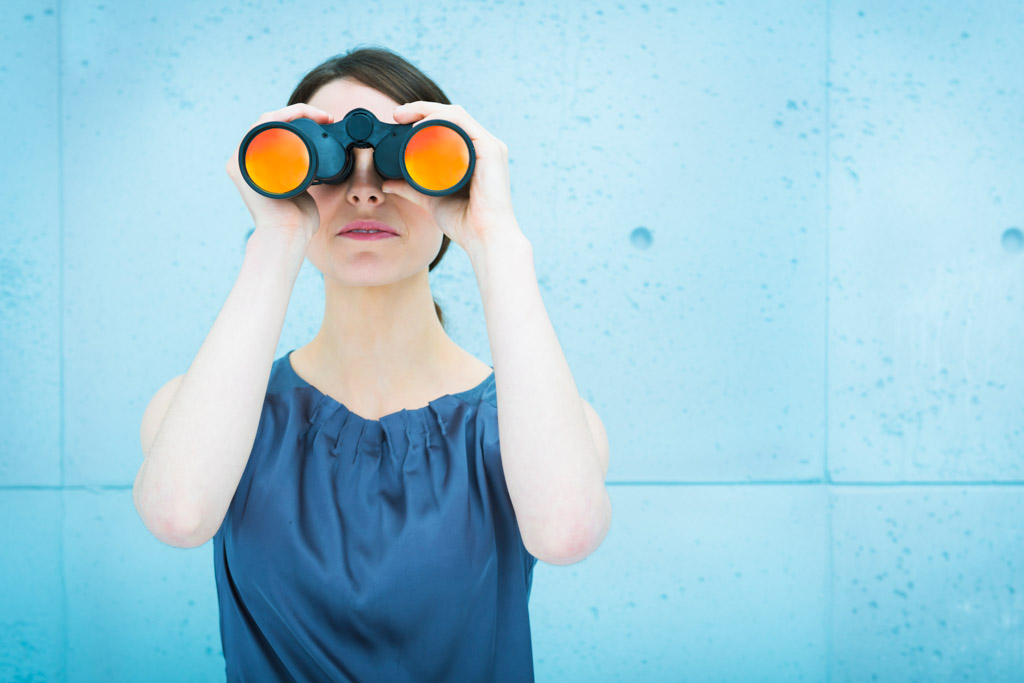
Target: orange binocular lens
436, 157
277, 160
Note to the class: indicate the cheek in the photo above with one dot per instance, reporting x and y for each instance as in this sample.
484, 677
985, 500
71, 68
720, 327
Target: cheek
428, 239
411, 213
419, 224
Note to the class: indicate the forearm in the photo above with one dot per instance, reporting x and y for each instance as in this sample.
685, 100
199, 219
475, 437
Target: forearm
198, 455
548, 453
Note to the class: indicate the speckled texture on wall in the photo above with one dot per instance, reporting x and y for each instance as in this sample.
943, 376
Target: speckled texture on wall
780, 242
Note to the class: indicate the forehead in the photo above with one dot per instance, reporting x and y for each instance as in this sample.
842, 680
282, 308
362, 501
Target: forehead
340, 96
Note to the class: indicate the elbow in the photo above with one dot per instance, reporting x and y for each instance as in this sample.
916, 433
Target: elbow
184, 536
176, 530
583, 545
579, 540
177, 538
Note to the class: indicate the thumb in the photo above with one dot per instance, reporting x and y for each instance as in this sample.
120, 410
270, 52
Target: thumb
400, 188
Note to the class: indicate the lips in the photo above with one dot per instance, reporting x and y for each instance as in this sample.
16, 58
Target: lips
367, 225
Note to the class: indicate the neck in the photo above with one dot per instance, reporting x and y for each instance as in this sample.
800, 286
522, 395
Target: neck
380, 339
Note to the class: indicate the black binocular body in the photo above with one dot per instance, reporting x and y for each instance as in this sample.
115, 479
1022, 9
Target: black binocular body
280, 159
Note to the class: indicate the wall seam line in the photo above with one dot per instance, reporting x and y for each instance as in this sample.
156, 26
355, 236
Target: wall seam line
829, 530
61, 410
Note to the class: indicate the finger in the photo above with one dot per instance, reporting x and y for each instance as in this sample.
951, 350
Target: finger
289, 113
297, 111
309, 111
484, 144
420, 111
401, 188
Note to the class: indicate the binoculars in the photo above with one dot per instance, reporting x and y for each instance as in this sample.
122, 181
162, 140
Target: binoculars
280, 159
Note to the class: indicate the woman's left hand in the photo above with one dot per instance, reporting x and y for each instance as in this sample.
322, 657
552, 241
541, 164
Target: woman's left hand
487, 214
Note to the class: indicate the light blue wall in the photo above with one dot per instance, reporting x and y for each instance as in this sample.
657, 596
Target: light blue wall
779, 242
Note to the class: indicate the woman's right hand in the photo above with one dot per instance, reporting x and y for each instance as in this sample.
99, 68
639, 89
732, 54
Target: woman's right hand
289, 215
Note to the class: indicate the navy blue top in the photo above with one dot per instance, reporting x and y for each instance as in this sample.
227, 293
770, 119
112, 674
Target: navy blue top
373, 550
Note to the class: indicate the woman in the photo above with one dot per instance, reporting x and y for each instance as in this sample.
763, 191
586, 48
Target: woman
363, 528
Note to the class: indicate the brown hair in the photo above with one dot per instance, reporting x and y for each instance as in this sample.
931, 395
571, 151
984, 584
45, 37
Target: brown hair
387, 72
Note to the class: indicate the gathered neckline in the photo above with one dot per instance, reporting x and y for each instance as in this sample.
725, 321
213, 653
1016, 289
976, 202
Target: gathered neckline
464, 396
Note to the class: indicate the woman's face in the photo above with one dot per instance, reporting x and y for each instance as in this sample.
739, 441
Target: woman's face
367, 262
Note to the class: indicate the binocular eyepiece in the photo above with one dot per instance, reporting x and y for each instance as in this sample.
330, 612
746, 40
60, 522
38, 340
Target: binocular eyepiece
280, 159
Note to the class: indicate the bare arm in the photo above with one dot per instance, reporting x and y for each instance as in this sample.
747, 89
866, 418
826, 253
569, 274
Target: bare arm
196, 452
554, 450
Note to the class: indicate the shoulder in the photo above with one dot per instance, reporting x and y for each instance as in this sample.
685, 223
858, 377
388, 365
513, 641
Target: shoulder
488, 393
282, 377
472, 378
480, 376
469, 368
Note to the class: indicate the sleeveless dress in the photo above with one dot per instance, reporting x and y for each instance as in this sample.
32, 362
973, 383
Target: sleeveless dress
373, 550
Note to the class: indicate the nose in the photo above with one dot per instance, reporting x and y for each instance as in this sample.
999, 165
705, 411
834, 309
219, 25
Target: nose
364, 183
